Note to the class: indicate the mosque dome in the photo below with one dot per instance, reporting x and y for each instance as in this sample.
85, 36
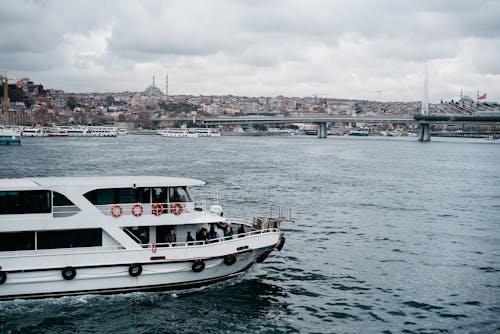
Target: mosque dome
152, 90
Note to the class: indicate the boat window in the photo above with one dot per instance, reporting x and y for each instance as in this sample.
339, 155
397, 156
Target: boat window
125, 195
14, 241
143, 195
101, 196
21, 202
69, 238
178, 194
60, 200
160, 195
63, 207
138, 233
118, 195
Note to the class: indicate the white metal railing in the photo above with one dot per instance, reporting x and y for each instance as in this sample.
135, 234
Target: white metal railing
157, 209
101, 249
209, 241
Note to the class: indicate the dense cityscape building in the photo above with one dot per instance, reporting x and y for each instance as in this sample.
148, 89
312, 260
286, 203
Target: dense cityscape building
31, 104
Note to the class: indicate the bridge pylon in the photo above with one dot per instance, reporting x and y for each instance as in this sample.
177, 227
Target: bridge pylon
322, 130
424, 132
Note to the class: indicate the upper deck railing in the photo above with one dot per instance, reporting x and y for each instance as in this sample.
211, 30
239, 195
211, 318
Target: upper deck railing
156, 209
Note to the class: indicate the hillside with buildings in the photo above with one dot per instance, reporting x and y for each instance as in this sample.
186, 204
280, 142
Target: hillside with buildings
32, 104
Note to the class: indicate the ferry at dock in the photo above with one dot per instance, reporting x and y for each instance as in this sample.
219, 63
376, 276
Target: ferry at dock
190, 132
72, 131
64, 236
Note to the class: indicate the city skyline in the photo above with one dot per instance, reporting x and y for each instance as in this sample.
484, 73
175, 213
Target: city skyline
355, 50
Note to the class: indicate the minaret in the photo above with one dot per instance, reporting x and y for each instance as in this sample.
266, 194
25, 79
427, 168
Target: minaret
153, 80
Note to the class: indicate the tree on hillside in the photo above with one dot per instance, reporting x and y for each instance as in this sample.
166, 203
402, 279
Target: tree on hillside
71, 102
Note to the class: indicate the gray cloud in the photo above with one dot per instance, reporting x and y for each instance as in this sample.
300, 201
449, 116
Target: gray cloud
289, 47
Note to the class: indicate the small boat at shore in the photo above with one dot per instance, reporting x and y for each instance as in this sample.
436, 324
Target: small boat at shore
361, 133
63, 236
9, 136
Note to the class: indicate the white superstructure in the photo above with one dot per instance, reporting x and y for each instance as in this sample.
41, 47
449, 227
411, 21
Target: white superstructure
190, 132
67, 236
72, 131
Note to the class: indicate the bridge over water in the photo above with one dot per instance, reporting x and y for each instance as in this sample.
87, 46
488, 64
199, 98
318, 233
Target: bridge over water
423, 121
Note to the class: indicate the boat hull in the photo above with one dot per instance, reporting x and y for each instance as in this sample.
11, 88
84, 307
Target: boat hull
158, 272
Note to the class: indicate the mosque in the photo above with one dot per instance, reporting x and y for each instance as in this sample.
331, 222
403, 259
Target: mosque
152, 90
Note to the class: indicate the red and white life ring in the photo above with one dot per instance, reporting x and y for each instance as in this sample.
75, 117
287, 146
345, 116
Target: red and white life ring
134, 210
116, 211
176, 208
157, 209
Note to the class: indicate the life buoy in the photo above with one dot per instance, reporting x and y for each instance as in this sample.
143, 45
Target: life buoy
68, 273
3, 277
134, 211
153, 247
116, 211
157, 209
198, 266
176, 208
134, 270
229, 260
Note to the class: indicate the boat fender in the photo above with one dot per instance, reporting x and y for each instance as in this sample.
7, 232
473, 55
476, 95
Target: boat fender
116, 211
153, 247
229, 260
3, 277
68, 273
135, 270
281, 243
135, 212
157, 209
176, 208
263, 257
198, 266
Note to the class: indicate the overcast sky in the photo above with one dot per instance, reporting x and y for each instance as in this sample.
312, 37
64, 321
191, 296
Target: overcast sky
343, 49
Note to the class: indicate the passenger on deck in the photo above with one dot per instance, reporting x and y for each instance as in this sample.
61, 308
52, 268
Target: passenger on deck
189, 239
144, 237
213, 234
202, 235
241, 230
171, 238
228, 232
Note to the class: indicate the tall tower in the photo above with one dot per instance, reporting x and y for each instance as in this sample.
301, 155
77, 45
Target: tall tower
166, 85
425, 102
153, 80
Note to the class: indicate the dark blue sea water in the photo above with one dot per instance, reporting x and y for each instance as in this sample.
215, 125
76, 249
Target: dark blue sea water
391, 235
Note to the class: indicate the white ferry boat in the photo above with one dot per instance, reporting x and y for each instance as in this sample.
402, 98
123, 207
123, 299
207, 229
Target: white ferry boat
9, 136
69, 236
34, 132
190, 132
102, 131
122, 131
171, 132
207, 132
